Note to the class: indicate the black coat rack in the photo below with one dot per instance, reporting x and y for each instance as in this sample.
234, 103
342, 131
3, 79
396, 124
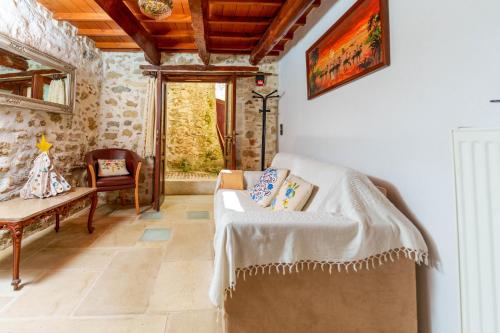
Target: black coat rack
264, 112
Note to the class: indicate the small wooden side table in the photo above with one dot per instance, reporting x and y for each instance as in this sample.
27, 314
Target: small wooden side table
18, 213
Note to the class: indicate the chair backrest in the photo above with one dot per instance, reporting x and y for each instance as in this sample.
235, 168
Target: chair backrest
112, 154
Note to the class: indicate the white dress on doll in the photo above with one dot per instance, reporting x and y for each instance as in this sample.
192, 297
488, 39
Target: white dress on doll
44, 181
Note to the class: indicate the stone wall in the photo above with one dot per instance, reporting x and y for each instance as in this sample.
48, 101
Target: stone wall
123, 100
249, 122
72, 135
192, 141
121, 117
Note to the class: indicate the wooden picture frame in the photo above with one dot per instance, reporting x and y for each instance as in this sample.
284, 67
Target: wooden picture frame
356, 45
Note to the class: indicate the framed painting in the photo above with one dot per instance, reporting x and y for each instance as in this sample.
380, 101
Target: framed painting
356, 45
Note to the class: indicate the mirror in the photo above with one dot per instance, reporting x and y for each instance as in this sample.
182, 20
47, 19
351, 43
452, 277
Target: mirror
31, 79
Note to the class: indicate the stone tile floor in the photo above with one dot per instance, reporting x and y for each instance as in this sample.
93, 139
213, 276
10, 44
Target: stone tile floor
111, 281
179, 175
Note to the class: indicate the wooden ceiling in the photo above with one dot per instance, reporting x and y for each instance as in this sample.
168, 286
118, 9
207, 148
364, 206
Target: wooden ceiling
255, 27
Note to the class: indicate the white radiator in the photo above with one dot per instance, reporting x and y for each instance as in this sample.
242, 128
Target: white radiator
477, 186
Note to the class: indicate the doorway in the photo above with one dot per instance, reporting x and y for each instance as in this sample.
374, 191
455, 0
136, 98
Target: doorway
198, 135
226, 138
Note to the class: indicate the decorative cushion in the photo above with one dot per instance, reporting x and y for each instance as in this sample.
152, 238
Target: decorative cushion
293, 194
268, 185
232, 179
109, 168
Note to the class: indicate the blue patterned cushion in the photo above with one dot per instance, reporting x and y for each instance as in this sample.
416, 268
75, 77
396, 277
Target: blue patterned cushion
268, 185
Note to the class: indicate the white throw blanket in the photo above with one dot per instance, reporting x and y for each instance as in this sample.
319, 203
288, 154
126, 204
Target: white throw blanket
356, 227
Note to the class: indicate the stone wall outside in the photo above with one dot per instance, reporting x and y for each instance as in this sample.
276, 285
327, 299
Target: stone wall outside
192, 141
248, 118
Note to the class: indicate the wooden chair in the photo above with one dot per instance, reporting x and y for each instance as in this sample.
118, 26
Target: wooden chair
114, 183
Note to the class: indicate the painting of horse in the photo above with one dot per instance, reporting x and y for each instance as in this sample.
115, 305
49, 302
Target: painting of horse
356, 45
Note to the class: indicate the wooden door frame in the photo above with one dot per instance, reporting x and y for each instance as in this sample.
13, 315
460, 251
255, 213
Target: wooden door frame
162, 77
158, 183
233, 121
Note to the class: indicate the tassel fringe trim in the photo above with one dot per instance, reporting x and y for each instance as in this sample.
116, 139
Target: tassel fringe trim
420, 257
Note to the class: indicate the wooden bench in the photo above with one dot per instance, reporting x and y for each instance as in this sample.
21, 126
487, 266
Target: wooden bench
16, 214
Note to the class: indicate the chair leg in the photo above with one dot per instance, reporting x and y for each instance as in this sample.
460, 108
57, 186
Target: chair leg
137, 209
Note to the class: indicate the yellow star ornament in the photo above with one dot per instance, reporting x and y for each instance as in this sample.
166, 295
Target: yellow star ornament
43, 145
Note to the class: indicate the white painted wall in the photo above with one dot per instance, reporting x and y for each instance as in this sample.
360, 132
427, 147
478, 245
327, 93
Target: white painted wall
395, 124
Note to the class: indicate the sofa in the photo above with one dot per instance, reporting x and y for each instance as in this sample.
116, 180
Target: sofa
346, 263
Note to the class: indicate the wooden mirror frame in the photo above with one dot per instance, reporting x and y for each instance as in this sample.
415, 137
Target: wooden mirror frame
21, 102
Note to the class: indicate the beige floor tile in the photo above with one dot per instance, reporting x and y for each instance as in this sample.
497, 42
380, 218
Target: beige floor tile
194, 321
136, 324
163, 223
179, 215
182, 286
4, 300
175, 214
76, 236
190, 242
58, 258
103, 210
186, 200
29, 246
72, 275
120, 235
104, 220
191, 199
56, 293
125, 286
28, 277
152, 245
167, 206
125, 211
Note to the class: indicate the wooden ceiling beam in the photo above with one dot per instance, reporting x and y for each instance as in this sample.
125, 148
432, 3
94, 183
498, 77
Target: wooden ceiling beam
174, 51
242, 36
201, 68
239, 20
120, 13
175, 34
117, 45
249, 20
166, 39
267, 3
103, 17
102, 32
229, 51
242, 47
199, 11
166, 44
289, 14
82, 17
175, 18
